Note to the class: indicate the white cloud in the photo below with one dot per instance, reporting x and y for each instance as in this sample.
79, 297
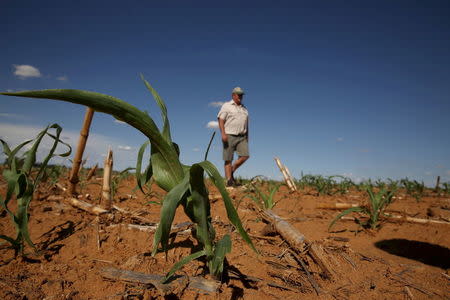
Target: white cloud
62, 78
216, 103
428, 173
119, 122
96, 148
339, 139
196, 149
11, 116
9, 90
126, 148
212, 124
26, 71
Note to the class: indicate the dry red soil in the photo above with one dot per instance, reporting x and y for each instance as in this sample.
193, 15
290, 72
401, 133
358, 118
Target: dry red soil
399, 261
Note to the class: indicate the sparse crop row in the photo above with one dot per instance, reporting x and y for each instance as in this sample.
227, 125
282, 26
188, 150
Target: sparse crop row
330, 185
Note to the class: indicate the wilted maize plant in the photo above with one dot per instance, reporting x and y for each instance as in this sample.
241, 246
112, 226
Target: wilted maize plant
185, 185
378, 201
22, 180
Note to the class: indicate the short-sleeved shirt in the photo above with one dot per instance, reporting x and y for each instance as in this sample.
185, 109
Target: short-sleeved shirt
235, 117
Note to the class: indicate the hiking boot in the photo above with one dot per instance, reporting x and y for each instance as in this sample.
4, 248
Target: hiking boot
230, 182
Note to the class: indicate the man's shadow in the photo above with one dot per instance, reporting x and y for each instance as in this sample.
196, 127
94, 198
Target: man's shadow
430, 254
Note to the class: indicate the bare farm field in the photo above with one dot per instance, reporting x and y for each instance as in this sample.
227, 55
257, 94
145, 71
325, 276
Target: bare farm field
80, 250
169, 230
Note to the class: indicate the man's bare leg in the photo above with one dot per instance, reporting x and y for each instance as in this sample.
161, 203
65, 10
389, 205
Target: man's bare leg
228, 170
238, 163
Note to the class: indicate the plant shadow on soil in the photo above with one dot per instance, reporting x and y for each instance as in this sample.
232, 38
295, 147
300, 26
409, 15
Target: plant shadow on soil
430, 254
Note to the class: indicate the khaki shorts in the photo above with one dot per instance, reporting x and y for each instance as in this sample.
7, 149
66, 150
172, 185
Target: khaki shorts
236, 143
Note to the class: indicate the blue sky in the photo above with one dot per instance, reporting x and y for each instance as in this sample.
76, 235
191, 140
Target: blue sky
333, 87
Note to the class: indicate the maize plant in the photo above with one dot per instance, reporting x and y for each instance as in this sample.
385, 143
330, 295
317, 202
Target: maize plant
343, 185
52, 174
392, 184
414, 188
23, 180
185, 185
446, 187
117, 180
323, 185
378, 203
365, 185
262, 199
380, 184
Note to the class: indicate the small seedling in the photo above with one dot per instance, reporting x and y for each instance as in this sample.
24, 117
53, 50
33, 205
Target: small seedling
117, 179
262, 199
378, 202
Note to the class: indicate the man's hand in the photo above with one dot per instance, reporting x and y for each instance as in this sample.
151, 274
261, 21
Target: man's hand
222, 131
224, 138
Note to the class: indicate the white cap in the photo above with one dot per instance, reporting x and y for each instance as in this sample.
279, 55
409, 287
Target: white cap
238, 90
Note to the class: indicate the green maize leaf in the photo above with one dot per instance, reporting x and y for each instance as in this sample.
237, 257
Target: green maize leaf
163, 108
6, 148
161, 173
222, 248
372, 200
169, 207
346, 212
177, 148
198, 207
22, 217
16, 184
231, 211
209, 145
30, 155
51, 153
142, 179
168, 157
270, 202
182, 262
12, 154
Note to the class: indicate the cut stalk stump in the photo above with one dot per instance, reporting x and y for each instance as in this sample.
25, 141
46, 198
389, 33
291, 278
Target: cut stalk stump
84, 133
299, 243
107, 177
286, 175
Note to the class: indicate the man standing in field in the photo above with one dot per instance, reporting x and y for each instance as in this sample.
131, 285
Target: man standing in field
233, 124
